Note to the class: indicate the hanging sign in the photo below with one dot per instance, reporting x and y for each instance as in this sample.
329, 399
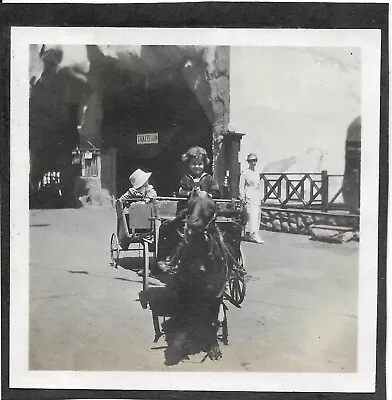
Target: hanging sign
147, 138
88, 155
75, 159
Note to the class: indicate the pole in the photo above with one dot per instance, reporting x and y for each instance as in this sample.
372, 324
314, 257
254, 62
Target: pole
324, 190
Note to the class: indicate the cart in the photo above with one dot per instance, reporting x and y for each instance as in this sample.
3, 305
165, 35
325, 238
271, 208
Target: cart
138, 222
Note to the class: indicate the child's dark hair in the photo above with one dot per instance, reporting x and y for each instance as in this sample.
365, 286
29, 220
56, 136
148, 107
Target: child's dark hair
196, 152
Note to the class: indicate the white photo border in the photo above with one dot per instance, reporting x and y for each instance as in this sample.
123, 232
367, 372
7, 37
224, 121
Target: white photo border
368, 40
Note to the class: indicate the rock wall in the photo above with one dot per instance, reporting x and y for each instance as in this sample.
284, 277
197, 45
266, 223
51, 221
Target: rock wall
352, 171
219, 80
301, 221
105, 95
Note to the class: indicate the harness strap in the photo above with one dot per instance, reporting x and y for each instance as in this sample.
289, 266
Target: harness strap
216, 244
225, 250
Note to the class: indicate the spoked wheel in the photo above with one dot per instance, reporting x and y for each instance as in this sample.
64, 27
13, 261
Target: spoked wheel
237, 283
114, 250
237, 288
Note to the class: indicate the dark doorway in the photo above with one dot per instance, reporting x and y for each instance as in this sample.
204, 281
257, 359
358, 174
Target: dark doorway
172, 108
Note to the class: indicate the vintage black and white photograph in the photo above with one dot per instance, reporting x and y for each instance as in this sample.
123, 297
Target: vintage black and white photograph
200, 201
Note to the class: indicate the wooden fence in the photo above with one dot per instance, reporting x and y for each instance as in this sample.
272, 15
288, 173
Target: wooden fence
319, 191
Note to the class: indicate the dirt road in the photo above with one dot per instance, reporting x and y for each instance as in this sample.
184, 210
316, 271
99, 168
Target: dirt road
299, 315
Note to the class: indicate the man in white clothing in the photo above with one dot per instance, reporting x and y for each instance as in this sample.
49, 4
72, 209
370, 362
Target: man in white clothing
250, 194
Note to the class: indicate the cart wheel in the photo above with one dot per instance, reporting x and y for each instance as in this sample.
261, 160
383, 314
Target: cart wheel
114, 250
237, 283
237, 288
240, 261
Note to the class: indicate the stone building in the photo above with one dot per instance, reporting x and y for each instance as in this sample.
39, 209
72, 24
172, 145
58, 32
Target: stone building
99, 112
352, 172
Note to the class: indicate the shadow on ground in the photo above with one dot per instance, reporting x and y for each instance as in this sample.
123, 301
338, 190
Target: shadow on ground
131, 263
39, 225
187, 327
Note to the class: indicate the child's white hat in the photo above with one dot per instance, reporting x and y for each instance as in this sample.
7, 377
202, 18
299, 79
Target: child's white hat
139, 178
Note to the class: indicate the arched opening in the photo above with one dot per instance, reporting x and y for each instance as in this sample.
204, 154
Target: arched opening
177, 94
165, 104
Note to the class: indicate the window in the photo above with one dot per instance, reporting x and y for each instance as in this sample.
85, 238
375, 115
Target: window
89, 164
50, 178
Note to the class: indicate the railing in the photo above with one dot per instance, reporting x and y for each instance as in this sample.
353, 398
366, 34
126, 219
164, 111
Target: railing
303, 190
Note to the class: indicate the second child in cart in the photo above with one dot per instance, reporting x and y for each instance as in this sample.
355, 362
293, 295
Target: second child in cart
196, 160
140, 188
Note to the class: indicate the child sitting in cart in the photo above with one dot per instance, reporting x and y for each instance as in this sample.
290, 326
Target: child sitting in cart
140, 188
196, 160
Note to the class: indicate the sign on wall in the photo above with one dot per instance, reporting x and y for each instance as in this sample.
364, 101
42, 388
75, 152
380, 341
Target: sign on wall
147, 138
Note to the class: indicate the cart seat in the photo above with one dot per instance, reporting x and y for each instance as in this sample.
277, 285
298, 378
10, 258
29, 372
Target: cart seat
134, 222
166, 209
228, 209
140, 217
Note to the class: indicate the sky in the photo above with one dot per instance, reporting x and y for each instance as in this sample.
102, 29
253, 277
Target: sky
288, 100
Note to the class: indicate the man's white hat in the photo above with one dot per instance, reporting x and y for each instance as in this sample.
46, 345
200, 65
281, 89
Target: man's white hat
139, 178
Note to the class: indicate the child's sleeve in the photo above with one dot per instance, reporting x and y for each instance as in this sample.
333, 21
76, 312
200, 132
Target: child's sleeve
213, 188
130, 194
185, 187
125, 197
151, 194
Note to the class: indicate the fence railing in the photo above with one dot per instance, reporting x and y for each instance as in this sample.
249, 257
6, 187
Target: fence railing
303, 190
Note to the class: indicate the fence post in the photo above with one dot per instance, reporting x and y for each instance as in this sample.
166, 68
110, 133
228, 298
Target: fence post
324, 191
262, 182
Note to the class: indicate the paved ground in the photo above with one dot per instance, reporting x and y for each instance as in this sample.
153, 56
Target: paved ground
300, 313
